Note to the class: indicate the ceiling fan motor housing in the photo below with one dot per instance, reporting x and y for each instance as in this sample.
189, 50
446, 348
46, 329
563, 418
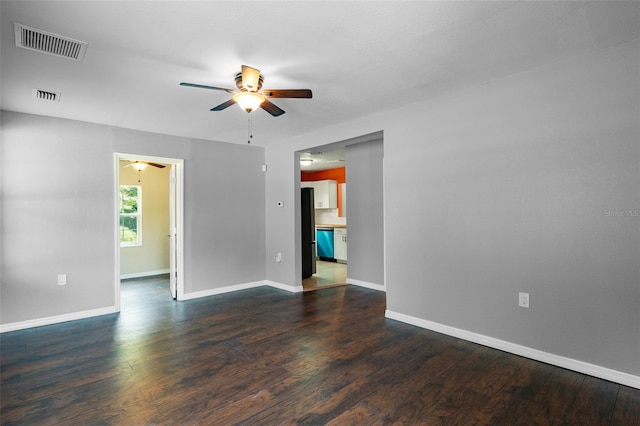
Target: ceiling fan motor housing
242, 87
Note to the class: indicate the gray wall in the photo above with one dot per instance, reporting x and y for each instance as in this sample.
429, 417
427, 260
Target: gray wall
365, 222
58, 213
514, 181
507, 187
283, 224
226, 215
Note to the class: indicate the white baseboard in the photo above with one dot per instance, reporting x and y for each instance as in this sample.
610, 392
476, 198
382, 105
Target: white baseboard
527, 352
4, 328
365, 284
38, 322
221, 290
296, 289
144, 274
244, 286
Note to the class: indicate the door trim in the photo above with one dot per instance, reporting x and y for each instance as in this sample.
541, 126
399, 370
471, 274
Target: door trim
179, 163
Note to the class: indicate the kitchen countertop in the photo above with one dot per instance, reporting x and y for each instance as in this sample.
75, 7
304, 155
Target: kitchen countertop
327, 225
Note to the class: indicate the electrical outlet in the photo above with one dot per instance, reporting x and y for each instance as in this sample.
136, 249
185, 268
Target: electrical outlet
62, 279
523, 300
279, 257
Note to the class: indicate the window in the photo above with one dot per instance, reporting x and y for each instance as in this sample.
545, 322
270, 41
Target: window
130, 215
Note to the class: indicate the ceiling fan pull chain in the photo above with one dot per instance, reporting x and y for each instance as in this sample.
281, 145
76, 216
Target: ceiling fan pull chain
249, 128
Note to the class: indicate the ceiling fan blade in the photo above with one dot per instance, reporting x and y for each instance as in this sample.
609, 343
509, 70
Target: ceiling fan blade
250, 78
271, 108
132, 162
201, 86
223, 105
160, 166
288, 93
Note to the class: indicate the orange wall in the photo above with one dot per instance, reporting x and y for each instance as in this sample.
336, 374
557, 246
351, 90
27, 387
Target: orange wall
332, 174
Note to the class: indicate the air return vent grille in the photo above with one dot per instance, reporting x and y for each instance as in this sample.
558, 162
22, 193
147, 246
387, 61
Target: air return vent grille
45, 42
45, 95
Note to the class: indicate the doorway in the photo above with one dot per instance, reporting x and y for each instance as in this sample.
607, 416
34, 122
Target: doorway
322, 181
363, 165
152, 185
328, 274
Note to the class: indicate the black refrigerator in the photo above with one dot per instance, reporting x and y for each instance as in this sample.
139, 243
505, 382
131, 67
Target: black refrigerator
308, 233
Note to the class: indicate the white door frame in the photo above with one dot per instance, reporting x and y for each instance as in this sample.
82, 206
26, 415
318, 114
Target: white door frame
173, 233
179, 209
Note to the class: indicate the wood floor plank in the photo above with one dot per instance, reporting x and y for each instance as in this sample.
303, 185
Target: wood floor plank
263, 356
595, 400
512, 403
626, 411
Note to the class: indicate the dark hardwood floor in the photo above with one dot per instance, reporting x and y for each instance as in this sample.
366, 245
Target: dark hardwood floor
268, 357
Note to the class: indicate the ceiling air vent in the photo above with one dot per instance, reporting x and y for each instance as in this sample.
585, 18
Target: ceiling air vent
45, 42
45, 95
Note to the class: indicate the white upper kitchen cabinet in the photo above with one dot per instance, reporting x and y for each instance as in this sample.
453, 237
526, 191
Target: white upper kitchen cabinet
325, 193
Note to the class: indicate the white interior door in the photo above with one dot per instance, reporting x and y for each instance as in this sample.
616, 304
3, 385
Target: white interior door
173, 272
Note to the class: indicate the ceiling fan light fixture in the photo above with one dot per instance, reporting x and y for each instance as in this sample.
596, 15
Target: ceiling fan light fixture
139, 166
248, 101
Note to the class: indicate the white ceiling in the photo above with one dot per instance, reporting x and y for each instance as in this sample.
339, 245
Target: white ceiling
323, 160
358, 57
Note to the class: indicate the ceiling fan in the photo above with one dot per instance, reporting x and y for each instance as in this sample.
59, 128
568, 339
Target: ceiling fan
250, 94
141, 165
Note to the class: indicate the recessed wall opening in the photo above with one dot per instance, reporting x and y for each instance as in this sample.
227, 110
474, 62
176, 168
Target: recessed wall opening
149, 228
331, 254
